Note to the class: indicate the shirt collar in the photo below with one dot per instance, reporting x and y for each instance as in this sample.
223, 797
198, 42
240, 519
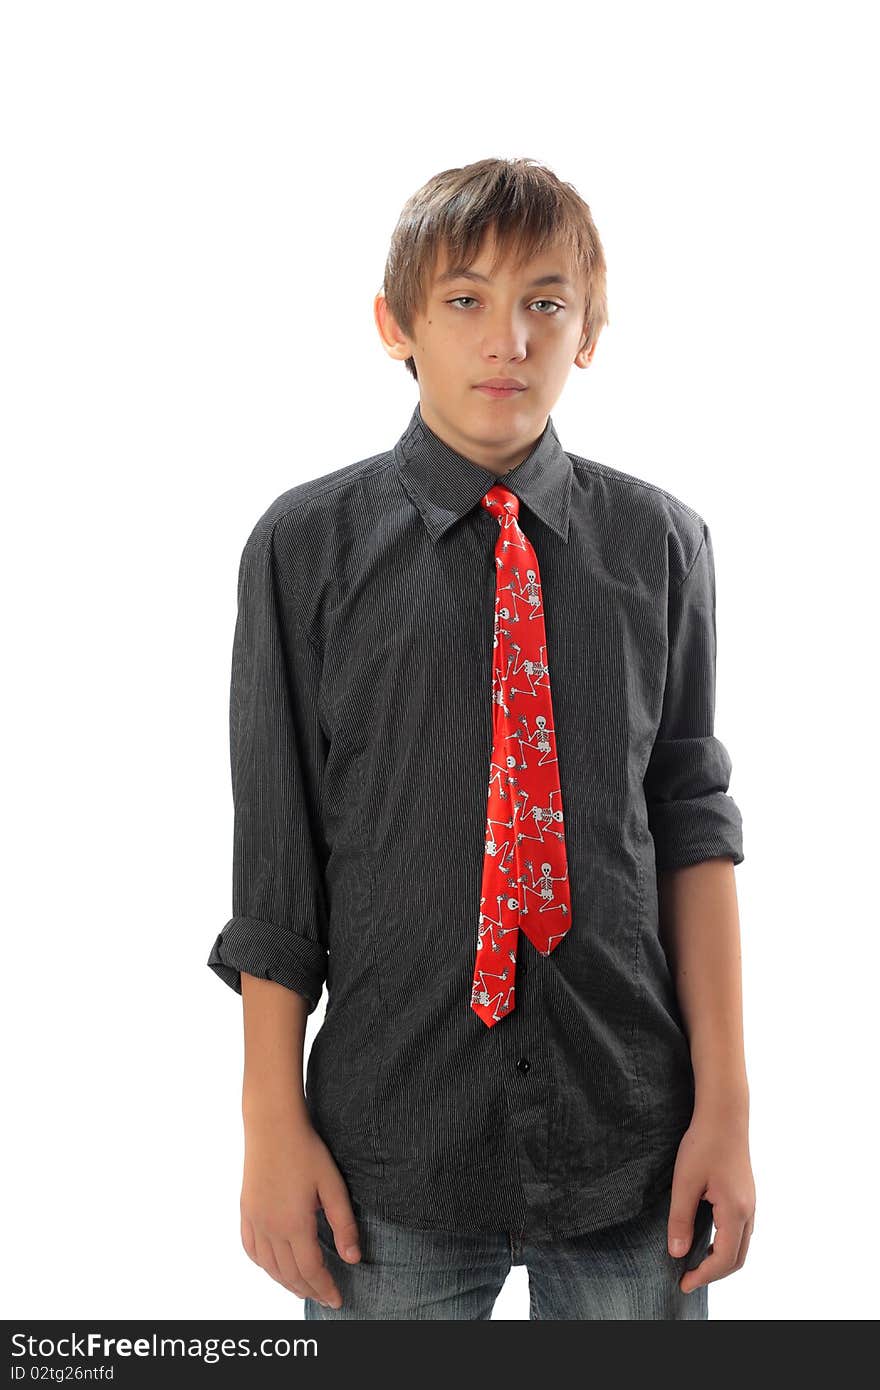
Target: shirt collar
444, 484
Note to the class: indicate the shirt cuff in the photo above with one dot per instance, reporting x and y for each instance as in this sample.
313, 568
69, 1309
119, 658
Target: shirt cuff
690, 813
687, 832
271, 953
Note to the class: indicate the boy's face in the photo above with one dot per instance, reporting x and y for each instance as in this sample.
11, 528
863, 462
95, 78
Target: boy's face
473, 330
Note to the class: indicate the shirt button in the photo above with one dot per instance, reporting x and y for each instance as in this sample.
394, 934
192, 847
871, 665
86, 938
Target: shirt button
523, 1064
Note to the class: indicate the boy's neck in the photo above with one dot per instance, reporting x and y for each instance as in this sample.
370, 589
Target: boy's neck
483, 455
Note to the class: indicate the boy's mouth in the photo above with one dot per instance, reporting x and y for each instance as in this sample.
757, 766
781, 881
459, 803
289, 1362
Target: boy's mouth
499, 391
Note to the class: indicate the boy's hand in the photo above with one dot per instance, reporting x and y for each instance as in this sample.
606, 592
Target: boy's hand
713, 1163
289, 1173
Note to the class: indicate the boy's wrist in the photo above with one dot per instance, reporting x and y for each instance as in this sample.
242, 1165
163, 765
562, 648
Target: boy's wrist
260, 1111
724, 1093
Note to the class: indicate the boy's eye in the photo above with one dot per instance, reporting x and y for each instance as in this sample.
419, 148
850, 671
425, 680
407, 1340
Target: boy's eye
459, 297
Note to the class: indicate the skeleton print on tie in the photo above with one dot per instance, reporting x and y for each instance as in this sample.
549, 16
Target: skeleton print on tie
525, 870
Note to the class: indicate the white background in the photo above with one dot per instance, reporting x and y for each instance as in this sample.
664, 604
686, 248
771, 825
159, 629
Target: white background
197, 205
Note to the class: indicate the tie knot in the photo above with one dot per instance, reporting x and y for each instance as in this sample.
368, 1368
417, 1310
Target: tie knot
500, 499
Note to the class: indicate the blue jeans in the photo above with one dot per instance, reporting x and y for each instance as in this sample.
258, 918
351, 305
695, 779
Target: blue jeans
622, 1271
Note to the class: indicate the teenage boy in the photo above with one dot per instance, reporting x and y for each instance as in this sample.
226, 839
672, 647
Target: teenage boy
478, 794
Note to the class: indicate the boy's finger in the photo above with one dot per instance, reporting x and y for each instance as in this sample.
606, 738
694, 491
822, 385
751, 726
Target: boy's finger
343, 1224
680, 1226
313, 1271
744, 1245
289, 1272
268, 1259
720, 1260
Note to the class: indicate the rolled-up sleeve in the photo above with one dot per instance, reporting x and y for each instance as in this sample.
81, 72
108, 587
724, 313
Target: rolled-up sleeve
278, 929
690, 813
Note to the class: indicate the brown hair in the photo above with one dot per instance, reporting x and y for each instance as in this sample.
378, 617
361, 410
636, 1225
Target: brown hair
528, 208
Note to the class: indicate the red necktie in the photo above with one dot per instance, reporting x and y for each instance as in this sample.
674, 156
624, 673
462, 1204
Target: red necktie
525, 871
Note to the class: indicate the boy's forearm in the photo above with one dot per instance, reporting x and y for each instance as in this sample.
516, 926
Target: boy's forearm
274, 1039
699, 928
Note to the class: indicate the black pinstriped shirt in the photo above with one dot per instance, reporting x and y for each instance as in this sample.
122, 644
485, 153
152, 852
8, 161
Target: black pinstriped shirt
361, 734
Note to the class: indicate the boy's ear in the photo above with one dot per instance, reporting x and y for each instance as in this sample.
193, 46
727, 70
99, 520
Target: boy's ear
394, 340
584, 355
